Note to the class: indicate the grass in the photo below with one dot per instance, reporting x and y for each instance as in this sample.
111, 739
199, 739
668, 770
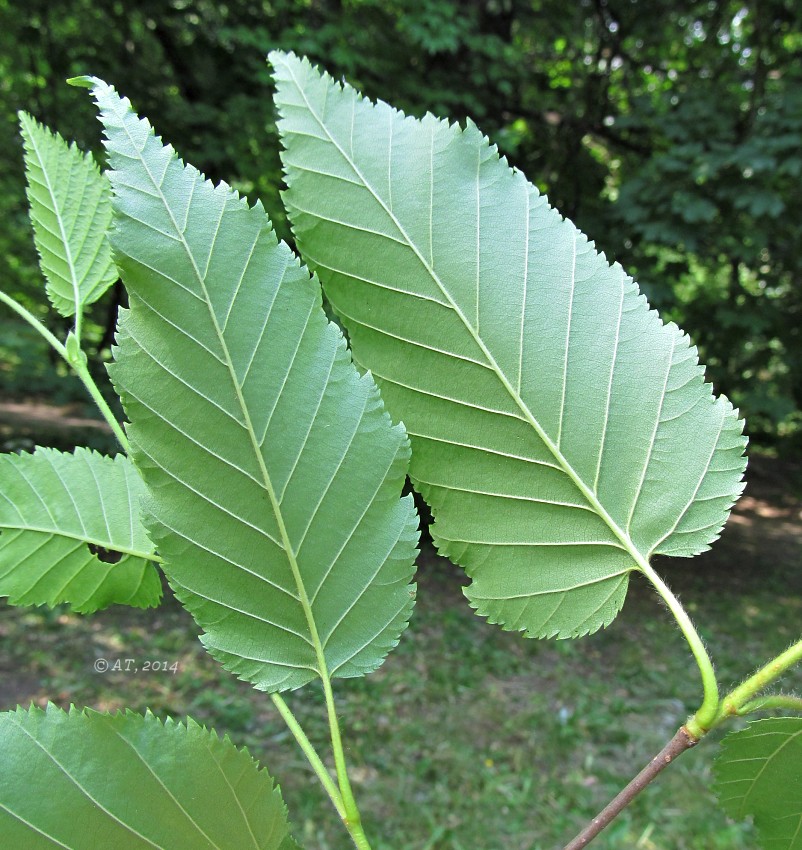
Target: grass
471, 738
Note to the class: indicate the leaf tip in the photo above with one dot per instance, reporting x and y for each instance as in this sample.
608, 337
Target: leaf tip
84, 82
275, 57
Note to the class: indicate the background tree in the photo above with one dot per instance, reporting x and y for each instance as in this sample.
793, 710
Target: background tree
671, 132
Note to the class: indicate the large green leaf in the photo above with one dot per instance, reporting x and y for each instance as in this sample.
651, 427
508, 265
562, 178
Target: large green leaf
53, 508
274, 471
561, 433
759, 773
71, 213
90, 780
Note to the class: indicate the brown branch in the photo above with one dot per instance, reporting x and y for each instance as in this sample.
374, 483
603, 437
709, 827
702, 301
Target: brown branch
675, 747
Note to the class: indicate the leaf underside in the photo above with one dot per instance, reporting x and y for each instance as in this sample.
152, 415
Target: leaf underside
759, 773
71, 214
132, 783
56, 511
273, 470
561, 433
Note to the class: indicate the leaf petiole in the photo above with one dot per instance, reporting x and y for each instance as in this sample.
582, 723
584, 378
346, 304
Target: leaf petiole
75, 358
701, 722
342, 797
352, 818
788, 702
34, 323
311, 754
81, 369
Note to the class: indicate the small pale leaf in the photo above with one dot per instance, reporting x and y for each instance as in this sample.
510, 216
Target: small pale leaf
70, 532
274, 472
82, 82
561, 433
85, 779
759, 774
71, 214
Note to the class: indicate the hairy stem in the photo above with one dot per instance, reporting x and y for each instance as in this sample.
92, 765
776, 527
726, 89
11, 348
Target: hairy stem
682, 741
311, 754
75, 362
702, 721
739, 701
745, 693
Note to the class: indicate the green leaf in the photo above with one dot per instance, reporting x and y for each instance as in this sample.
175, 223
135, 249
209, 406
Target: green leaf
759, 773
71, 214
561, 433
70, 532
274, 471
87, 779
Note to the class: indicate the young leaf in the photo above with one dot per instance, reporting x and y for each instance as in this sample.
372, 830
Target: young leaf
87, 779
71, 214
70, 532
560, 432
273, 469
759, 773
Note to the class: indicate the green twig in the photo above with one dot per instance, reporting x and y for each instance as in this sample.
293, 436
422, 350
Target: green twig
311, 754
686, 737
736, 701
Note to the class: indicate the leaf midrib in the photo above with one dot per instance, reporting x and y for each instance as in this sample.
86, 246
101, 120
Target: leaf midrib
640, 560
94, 541
286, 542
58, 215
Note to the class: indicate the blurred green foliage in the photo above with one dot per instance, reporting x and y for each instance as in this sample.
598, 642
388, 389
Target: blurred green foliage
669, 130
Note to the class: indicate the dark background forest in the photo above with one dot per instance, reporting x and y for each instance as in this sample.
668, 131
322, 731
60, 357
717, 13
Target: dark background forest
670, 131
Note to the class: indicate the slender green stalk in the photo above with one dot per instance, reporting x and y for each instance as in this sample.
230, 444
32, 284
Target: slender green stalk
352, 819
736, 700
342, 797
81, 369
76, 360
34, 323
705, 716
311, 754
